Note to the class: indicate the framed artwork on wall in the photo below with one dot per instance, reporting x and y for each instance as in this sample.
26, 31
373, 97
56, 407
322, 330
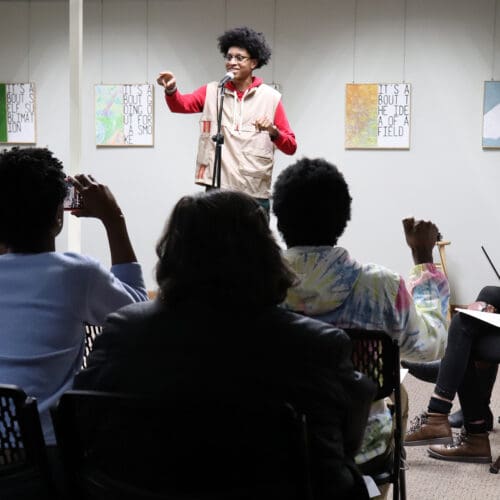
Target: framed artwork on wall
491, 115
377, 116
17, 113
124, 115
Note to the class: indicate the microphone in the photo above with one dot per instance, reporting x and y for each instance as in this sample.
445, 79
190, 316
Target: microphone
228, 76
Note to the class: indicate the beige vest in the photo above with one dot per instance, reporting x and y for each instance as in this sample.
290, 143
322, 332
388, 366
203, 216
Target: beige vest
247, 154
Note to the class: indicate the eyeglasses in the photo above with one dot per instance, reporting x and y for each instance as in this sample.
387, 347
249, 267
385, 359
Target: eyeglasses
238, 57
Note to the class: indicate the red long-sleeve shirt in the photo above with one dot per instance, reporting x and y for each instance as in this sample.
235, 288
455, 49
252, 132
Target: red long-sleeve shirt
194, 103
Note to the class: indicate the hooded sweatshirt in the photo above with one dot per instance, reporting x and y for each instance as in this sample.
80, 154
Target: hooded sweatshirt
335, 288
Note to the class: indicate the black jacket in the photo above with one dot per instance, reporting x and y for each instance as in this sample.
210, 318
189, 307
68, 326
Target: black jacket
197, 351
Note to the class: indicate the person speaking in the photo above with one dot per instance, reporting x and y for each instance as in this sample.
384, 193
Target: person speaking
253, 119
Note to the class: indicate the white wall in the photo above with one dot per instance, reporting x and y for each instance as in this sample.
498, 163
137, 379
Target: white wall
445, 176
34, 47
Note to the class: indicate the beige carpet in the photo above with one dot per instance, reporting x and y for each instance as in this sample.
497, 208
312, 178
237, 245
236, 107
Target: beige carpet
428, 478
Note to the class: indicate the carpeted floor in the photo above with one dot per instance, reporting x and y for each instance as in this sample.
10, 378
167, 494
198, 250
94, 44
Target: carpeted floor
428, 478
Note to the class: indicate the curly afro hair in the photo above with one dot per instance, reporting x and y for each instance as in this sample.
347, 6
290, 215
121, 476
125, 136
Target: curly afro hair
312, 203
248, 39
32, 187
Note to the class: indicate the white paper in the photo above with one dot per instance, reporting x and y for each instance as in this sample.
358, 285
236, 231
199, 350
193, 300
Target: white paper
491, 318
372, 488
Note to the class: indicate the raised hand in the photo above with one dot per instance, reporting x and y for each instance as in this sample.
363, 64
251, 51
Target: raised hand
97, 200
168, 81
421, 237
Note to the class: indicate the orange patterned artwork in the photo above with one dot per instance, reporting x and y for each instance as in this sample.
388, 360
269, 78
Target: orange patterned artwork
377, 116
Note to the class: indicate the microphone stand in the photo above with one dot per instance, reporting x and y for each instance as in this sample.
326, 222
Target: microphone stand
218, 138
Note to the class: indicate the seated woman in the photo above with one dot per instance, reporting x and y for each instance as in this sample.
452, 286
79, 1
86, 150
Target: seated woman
216, 332
47, 296
469, 340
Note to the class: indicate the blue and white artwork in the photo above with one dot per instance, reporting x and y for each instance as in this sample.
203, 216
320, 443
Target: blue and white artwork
491, 115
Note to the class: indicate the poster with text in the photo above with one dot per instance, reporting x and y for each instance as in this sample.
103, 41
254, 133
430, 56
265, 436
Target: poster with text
124, 115
17, 113
377, 116
491, 115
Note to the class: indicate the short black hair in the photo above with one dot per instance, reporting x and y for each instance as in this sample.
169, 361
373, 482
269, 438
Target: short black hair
312, 203
248, 39
32, 187
217, 247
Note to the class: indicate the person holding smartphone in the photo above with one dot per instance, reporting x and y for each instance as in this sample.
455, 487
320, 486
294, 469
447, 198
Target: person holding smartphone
47, 296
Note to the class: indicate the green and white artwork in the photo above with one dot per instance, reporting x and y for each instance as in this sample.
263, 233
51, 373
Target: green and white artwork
17, 113
124, 115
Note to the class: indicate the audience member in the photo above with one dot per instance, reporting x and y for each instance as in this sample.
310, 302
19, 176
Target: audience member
47, 296
312, 204
216, 331
469, 340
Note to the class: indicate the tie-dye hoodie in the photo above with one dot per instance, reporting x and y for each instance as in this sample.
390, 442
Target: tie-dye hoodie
335, 288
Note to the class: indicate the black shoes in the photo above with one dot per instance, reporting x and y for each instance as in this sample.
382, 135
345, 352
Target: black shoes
428, 372
457, 420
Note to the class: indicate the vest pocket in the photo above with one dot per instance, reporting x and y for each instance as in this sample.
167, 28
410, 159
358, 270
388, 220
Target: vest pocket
205, 158
257, 163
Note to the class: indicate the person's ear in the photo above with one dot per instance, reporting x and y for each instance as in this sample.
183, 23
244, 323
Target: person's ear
59, 221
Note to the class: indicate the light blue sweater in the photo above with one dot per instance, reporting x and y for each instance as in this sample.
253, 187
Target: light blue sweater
45, 299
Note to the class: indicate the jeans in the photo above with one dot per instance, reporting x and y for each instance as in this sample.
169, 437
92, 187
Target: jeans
469, 339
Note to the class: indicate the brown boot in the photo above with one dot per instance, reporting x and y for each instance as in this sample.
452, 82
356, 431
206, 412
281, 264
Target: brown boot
429, 428
468, 448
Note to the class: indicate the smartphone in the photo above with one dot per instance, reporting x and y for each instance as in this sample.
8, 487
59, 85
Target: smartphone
73, 198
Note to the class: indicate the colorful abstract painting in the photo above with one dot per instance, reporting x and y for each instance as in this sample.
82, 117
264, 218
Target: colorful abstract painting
377, 116
124, 115
17, 113
491, 115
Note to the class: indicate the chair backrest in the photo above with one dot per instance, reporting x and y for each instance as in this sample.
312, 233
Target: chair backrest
91, 333
123, 446
24, 468
376, 355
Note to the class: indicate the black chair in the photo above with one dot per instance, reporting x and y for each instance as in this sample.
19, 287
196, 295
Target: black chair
376, 355
24, 467
91, 333
133, 447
